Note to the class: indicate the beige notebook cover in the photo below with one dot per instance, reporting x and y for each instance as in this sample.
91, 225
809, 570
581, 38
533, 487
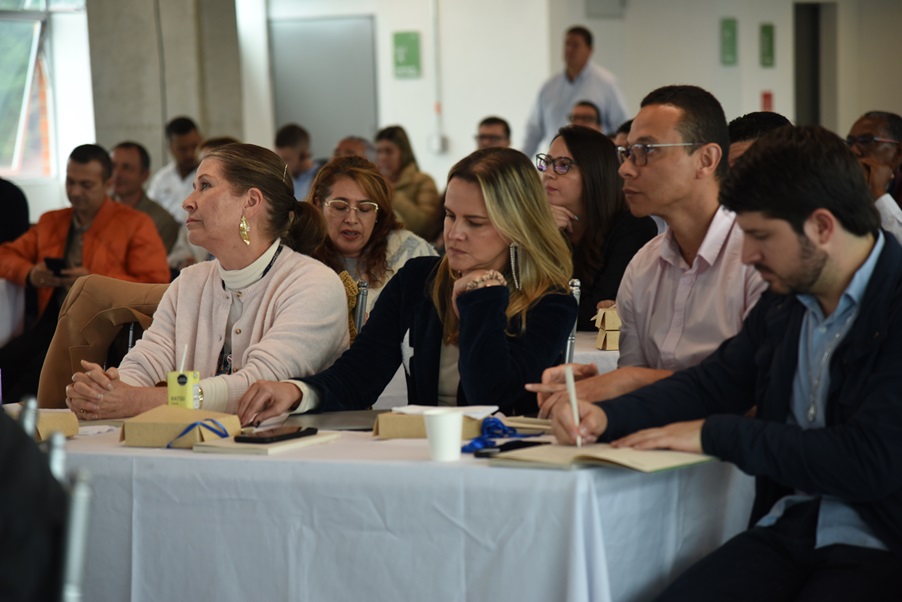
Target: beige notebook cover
230, 446
525, 424
568, 456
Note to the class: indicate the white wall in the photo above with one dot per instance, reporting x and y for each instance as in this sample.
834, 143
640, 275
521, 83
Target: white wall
494, 55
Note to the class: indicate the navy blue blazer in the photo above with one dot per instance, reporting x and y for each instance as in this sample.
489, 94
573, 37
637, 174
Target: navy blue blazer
404, 325
857, 457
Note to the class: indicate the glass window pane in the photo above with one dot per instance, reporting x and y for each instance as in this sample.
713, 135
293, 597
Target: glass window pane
67, 4
23, 4
18, 50
35, 159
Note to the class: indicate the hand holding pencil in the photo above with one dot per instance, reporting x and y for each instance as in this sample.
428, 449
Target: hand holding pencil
577, 422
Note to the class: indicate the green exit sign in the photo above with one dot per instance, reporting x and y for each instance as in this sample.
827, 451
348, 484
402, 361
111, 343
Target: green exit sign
407, 54
766, 40
729, 52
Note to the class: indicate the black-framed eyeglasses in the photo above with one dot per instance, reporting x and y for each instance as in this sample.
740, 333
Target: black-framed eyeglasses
866, 141
639, 152
561, 165
342, 208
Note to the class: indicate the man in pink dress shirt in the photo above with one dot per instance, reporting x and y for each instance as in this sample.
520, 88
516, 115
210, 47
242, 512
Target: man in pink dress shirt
687, 290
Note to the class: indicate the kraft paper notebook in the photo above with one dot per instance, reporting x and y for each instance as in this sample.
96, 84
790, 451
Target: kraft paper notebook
568, 456
230, 446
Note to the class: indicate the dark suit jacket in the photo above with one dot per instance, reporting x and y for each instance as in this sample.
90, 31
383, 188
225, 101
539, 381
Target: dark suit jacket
32, 519
856, 458
627, 236
494, 365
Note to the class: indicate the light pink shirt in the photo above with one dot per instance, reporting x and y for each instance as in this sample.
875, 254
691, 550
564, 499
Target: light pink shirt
674, 315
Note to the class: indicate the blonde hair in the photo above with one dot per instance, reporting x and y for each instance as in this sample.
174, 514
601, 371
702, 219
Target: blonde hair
517, 208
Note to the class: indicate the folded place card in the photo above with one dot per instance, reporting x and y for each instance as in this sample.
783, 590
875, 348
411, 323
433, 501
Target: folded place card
171, 426
49, 421
410, 424
608, 323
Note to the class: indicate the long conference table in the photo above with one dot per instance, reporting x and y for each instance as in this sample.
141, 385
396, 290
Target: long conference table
362, 518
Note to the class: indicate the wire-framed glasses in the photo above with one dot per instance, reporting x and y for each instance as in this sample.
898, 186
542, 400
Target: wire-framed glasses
867, 141
363, 208
639, 152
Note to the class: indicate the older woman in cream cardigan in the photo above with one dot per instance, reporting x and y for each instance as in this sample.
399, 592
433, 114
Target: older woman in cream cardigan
259, 310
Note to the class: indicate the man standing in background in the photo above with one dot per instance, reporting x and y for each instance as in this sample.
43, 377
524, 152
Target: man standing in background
580, 80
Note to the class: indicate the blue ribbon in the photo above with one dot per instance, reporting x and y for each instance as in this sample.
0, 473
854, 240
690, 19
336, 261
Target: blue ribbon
492, 428
222, 431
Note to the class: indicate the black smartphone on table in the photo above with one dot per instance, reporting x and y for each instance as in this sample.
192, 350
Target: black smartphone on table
490, 452
55, 265
282, 433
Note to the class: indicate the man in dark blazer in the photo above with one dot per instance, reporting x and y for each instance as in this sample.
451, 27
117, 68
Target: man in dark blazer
820, 357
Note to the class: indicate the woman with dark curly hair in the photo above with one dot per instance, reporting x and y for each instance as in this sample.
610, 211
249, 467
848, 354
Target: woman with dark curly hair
364, 238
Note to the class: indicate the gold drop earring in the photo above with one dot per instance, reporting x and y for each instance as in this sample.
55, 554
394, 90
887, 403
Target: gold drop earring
244, 230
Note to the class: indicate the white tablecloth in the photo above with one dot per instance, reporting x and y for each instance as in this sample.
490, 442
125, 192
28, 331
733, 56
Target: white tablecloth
584, 352
375, 520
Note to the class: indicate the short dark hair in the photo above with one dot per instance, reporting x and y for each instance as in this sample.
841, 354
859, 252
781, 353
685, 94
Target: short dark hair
581, 31
624, 127
703, 118
891, 122
792, 171
591, 105
86, 153
497, 121
292, 135
180, 126
752, 126
143, 155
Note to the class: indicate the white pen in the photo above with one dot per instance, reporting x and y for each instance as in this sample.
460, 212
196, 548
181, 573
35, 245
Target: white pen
571, 391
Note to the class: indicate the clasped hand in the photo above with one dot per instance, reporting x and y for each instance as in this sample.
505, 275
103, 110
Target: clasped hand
98, 394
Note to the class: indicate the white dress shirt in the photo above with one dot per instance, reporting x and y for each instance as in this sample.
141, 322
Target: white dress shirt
890, 215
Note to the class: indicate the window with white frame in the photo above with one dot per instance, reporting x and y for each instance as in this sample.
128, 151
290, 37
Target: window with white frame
27, 125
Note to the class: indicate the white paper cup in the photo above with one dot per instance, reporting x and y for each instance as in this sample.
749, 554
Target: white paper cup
443, 428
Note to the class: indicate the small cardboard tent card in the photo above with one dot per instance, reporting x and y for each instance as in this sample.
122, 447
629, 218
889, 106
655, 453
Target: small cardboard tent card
608, 323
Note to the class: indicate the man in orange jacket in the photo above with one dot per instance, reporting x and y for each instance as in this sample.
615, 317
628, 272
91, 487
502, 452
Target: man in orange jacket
94, 236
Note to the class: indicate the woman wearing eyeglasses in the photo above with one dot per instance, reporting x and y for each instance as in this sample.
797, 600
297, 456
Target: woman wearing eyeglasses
579, 174
364, 238
470, 328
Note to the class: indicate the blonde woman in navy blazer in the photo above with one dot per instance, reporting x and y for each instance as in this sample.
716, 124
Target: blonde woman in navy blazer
470, 328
